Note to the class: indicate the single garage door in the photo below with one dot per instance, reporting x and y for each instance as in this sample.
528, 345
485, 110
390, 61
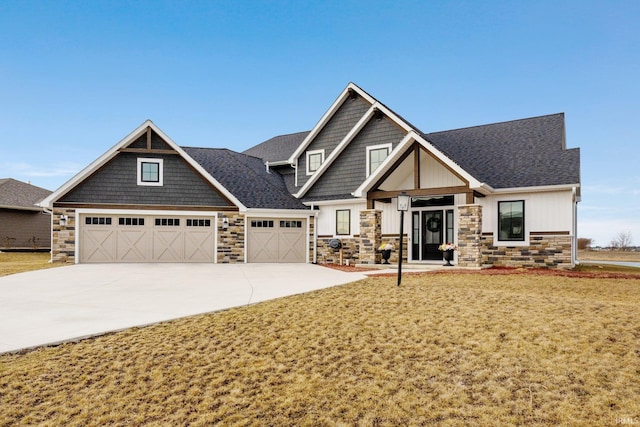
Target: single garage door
277, 240
146, 238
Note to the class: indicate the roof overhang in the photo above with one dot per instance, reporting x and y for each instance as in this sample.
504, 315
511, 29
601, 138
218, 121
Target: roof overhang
113, 151
22, 208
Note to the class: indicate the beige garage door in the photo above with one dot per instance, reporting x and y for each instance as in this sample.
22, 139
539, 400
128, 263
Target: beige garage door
277, 240
146, 238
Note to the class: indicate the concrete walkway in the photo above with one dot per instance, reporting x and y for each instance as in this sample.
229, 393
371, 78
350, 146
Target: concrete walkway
72, 302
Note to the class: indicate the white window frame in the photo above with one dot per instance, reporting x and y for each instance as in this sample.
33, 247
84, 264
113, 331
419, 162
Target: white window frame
311, 153
142, 160
372, 148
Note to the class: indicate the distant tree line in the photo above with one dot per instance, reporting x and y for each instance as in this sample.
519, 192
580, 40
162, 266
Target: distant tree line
622, 242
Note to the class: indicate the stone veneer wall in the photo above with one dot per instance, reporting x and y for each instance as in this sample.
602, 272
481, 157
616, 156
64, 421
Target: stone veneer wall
370, 236
63, 241
544, 250
395, 254
231, 241
470, 236
350, 251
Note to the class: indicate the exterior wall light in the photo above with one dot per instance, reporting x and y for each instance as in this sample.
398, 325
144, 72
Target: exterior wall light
225, 223
63, 220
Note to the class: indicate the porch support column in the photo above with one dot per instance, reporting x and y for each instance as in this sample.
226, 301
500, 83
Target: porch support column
469, 235
370, 236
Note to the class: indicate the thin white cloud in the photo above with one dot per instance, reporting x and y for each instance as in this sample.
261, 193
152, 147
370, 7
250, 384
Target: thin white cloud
23, 169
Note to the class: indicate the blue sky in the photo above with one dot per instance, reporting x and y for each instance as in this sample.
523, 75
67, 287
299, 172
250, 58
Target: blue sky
77, 76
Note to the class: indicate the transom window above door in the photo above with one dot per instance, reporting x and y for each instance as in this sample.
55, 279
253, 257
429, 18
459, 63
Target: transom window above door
314, 160
150, 172
376, 155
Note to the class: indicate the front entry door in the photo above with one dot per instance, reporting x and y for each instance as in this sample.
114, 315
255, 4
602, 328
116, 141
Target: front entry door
427, 235
431, 235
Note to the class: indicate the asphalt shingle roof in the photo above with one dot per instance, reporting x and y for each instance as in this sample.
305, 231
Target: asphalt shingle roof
278, 148
17, 194
246, 178
520, 153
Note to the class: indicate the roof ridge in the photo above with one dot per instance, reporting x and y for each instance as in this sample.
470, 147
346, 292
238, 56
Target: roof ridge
496, 123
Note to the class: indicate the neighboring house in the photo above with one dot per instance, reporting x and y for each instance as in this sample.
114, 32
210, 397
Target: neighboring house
505, 193
23, 225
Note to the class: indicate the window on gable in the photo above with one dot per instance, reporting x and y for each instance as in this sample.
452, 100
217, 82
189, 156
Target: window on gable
343, 222
150, 172
511, 220
376, 155
314, 160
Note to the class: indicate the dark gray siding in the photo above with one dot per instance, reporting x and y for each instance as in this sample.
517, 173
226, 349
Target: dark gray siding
116, 183
348, 171
24, 229
349, 113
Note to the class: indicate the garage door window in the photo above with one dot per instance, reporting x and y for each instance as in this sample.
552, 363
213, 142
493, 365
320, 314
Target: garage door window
168, 222
130, 221
198, 223
290, 224
262, 223
97, 220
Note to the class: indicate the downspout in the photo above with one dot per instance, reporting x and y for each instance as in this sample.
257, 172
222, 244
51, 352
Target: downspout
315, 235
574, 232
50, 212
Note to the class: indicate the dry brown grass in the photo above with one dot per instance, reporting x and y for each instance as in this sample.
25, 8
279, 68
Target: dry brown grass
442, 349
624, 256
19, 262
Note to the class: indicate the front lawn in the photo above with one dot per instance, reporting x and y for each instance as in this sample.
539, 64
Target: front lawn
19, 262
442, 349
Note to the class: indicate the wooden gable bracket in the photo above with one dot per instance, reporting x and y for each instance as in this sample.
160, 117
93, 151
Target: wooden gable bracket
148, 149
376, 194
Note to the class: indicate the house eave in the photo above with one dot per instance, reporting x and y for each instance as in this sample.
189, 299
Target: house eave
536, 189
22, 208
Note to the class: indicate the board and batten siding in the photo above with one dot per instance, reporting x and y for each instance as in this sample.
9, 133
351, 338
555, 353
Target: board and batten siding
326, 220
334, 131
543, 212
116, 183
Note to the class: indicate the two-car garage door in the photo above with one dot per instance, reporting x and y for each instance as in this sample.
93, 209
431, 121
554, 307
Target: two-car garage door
179, 238
146, 238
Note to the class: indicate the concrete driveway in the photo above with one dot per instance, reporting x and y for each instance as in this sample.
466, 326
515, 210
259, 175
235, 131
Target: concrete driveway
67, 303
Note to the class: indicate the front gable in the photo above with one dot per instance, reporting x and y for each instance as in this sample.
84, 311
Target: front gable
332, 133
119, 178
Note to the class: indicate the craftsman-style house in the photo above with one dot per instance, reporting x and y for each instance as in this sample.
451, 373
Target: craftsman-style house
506, 194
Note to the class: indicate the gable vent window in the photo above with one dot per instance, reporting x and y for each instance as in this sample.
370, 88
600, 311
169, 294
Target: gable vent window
314, 160
376, 155
150, 172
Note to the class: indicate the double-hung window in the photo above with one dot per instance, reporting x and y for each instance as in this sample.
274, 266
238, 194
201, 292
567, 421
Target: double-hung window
376, 155
150, 172
511, 221
314, 160
343, 222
